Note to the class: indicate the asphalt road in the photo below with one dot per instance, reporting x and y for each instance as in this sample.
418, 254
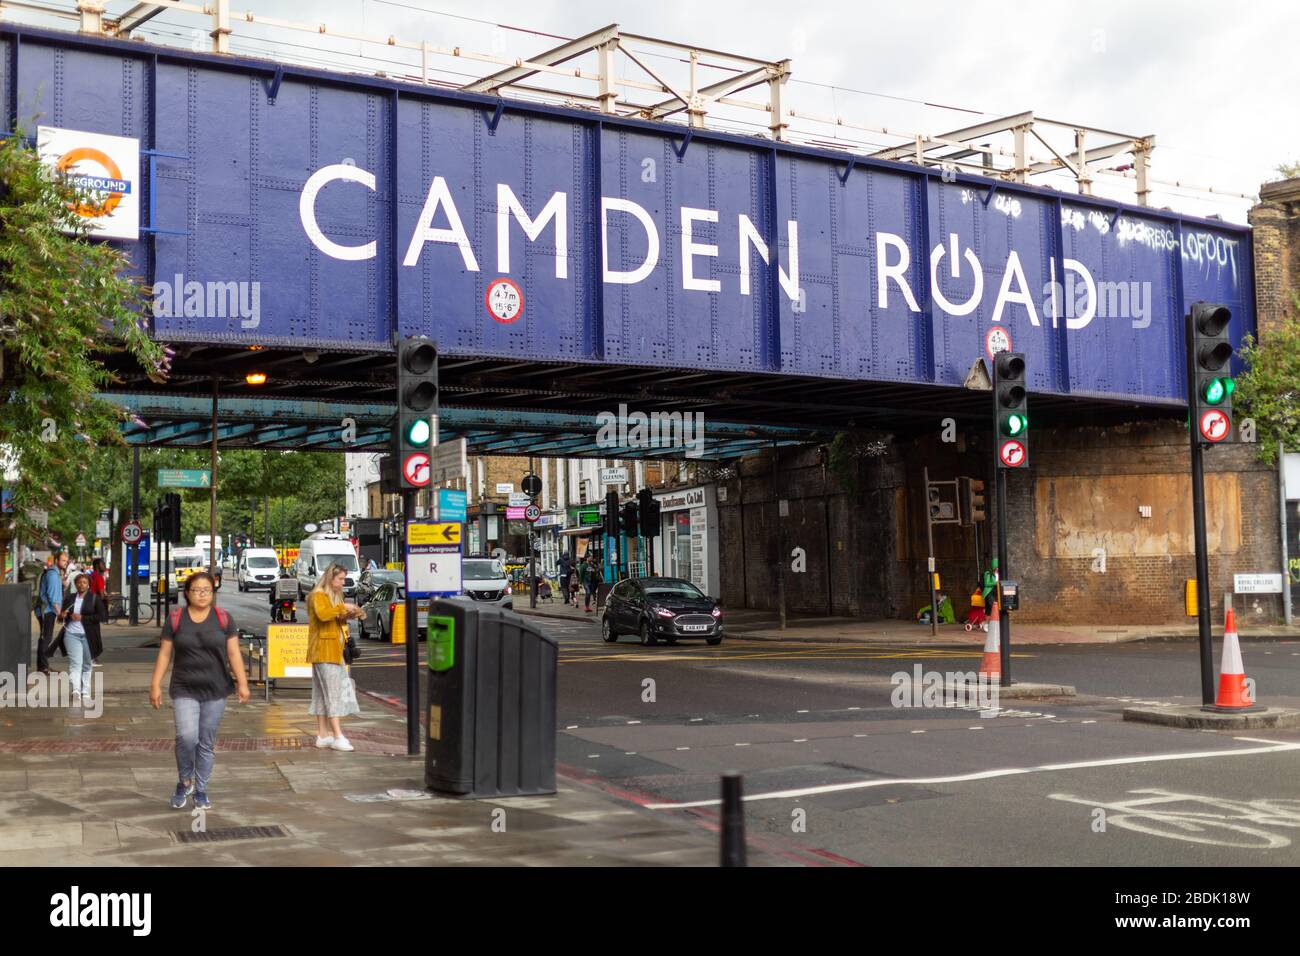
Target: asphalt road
835, 773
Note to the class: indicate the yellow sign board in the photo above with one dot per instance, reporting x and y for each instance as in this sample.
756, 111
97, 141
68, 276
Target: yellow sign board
442, 532
286, 651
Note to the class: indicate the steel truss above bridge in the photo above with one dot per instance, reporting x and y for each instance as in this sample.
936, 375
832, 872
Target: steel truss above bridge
184, 421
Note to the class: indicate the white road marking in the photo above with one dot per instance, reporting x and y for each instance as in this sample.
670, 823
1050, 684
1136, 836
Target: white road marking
630, 722
589, 756
859, 735
742, 745
683, 748
571, 727
1087, 721
695, 720
797, 711
801, 740
1273, 747
918, 731
974, 728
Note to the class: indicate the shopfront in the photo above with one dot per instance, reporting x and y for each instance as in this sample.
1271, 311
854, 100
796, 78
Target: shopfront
687, 546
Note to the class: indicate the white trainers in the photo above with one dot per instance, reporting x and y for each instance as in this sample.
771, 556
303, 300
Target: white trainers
324, 743
342, 743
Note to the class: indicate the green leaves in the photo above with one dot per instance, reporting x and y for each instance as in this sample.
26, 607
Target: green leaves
65, 301
1269, 391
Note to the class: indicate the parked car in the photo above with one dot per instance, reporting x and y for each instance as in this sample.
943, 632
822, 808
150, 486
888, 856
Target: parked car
660, 609
381, 608
371, 580
258, 568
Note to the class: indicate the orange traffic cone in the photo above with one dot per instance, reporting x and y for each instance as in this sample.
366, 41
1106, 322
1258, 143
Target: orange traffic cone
991, 665
1234, 694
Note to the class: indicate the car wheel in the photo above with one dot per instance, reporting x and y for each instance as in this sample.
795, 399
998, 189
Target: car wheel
647, 637
713, 641
607, 633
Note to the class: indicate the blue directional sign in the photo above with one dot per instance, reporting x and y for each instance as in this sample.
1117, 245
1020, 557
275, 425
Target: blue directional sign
451, 505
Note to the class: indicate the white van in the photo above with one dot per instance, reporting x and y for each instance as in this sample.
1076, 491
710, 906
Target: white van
258, 568
320, 551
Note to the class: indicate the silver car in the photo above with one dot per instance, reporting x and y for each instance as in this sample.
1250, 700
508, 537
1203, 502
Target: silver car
484, 581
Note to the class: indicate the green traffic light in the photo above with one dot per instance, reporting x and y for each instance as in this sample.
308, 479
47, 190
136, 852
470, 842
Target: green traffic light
1229, 386
1013, 425
1214, 391
418, 433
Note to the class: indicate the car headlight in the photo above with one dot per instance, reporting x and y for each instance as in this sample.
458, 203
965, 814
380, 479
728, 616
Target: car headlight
663, 612
716, 612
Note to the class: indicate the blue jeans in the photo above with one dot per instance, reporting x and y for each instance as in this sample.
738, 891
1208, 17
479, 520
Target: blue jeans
79, 661
196, 732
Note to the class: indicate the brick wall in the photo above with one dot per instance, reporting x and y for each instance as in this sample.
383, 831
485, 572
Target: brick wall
866, 552
1276, 222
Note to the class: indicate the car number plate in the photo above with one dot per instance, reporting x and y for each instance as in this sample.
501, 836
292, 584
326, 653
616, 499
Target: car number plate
695, 627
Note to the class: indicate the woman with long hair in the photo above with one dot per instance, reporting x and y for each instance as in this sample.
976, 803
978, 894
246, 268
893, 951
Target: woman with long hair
332, 693
201, 642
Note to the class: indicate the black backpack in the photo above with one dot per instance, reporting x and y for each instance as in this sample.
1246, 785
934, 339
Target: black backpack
36, 596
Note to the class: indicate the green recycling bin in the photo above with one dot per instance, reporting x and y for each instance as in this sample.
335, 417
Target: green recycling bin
491, 719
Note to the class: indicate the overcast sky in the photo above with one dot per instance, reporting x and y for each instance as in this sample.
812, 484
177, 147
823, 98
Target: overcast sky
1216, 83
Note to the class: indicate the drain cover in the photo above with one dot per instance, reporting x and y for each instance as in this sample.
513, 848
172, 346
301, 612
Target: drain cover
222, 834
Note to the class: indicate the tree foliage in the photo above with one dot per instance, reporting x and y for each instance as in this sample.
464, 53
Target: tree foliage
1269, 390
65, 301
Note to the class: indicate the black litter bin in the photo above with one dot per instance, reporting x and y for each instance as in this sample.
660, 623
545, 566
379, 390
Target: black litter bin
491, 730
15, 627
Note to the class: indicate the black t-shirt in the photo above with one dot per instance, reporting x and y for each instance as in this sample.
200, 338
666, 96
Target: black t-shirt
200, 666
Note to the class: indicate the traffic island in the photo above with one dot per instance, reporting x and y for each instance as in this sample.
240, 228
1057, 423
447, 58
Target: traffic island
960, 687
1194, 717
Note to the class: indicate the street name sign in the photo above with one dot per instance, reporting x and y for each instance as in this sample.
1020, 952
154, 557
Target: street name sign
1257, 583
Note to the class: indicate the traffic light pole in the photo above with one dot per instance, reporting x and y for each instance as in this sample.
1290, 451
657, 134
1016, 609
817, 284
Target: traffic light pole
133, 565
929, 539
1204, 638
412, 637
532, 556
1004, 629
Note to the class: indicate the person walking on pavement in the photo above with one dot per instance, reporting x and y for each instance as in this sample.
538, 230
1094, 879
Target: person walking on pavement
98, 587
332, 693
198, 640
566, 571
80, 638
591, 580
50, 589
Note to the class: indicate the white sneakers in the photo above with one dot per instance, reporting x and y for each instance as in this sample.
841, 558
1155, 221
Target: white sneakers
342, 743
324, 743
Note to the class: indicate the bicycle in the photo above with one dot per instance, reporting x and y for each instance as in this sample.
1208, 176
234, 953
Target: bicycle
118, 610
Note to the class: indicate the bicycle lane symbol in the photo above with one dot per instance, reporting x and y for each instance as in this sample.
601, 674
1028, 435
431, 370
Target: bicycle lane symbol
1238, 823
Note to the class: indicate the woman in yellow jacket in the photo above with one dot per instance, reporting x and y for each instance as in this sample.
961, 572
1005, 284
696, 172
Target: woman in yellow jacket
332, 694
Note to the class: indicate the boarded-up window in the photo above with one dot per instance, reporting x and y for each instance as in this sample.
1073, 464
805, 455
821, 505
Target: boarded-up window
1080, 513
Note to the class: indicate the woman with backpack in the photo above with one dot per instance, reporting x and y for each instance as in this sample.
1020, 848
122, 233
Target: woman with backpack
198, 640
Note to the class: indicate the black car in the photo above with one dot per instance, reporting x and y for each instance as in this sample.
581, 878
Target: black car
661, 609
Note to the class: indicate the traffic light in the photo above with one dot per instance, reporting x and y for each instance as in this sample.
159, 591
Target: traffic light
631, 526
417, 411
1209, 378
611, 514
972, 496
648, 513
167, 519
1011, 410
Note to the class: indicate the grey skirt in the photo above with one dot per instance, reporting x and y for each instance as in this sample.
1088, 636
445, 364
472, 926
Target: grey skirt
333, 694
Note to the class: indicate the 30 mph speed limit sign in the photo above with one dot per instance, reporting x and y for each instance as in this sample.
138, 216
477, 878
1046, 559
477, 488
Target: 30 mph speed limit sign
132, 532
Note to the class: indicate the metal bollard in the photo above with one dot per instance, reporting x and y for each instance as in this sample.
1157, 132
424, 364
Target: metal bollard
733, 821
